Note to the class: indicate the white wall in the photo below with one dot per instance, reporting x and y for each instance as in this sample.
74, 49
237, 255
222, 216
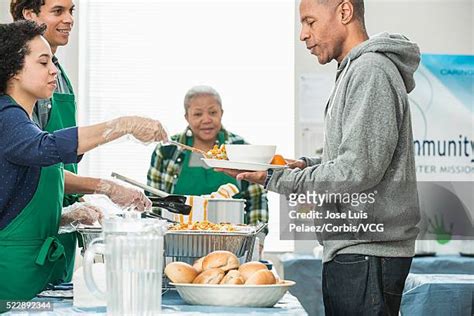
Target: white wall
438, 26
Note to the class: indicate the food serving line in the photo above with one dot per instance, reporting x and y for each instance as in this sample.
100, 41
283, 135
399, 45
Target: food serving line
136, 250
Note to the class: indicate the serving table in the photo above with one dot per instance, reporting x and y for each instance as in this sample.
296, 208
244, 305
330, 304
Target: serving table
173, 304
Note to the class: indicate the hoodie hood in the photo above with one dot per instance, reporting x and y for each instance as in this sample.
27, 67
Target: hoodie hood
403, 53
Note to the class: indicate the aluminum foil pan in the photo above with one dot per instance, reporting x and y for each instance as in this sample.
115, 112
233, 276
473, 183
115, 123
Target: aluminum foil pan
196, 244
192, 244
200, 243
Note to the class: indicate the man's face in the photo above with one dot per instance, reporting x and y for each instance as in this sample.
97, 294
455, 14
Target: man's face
321, 29
58, 17
204, 117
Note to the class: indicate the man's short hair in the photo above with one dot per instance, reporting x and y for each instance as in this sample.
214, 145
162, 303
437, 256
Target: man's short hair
359, 9
17, 7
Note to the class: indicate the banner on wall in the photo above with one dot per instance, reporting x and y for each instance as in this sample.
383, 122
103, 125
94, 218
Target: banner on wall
442, 107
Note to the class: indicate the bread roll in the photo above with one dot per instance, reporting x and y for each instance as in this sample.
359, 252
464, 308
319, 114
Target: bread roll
180, 272
225, 260
261, 277
249, 268
198, 264
232, 277
211, 276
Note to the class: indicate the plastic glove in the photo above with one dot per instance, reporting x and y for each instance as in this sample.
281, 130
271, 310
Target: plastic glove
123, 196
144, 129
82, 212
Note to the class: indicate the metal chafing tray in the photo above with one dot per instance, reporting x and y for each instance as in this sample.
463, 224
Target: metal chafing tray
191, 244
195, 244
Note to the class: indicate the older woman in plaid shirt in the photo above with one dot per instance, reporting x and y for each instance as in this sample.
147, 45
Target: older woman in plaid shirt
177, 171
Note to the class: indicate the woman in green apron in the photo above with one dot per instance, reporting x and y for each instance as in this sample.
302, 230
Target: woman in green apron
182, 172
32, 162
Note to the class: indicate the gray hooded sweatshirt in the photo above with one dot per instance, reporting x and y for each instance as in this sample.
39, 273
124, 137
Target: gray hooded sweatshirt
368, 148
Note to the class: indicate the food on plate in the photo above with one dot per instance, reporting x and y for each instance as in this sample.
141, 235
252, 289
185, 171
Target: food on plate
222, 259
261, 277
232, 277
248, 269
278, 160
180, 272
198, 264
211, 276
217, 153
204, 225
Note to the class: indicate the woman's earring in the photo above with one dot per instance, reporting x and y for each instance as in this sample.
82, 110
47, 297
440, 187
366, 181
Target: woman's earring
189, 132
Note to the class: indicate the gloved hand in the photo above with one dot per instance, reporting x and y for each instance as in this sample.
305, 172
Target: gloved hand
144, 129
123, 196
82, 212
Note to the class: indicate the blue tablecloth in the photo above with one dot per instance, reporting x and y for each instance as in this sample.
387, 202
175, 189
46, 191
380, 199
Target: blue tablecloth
438, 294
306, 271
173, 304
443, 265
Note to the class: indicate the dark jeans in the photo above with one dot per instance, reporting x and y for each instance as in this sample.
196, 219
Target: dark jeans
364, 285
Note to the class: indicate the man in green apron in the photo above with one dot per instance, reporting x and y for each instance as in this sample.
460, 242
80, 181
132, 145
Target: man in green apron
60, 112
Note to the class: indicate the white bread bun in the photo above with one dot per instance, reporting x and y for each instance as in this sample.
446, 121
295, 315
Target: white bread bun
247, 269
198, 264
232, 277
225, 260
261, 277
180, 272
211, 276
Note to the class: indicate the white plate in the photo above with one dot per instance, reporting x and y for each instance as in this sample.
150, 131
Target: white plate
232, 295
251, 166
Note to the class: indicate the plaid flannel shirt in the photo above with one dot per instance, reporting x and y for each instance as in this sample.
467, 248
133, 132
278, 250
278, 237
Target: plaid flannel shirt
166, 164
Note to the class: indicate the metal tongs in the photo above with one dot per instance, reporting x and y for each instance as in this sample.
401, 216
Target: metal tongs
173, 203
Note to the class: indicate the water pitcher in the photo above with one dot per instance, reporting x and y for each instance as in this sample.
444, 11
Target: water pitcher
133, 251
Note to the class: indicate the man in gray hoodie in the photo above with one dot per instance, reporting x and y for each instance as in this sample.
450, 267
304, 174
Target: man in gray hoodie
367, 150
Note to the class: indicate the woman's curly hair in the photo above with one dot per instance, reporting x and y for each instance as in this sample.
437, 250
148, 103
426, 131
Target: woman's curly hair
14, 38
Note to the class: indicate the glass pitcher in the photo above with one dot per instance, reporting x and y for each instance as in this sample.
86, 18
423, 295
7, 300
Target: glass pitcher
133, 250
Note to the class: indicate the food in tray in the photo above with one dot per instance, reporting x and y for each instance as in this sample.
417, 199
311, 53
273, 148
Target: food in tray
217, 153
204, 226
220, 267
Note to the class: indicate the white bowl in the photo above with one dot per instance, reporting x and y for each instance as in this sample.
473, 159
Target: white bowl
250, 153
232, 295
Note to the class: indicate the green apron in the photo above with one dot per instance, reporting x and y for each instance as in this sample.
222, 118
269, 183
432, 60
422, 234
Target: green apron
29, 248
199, 180
63, 115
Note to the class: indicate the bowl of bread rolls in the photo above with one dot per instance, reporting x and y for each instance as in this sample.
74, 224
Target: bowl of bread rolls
219, 279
